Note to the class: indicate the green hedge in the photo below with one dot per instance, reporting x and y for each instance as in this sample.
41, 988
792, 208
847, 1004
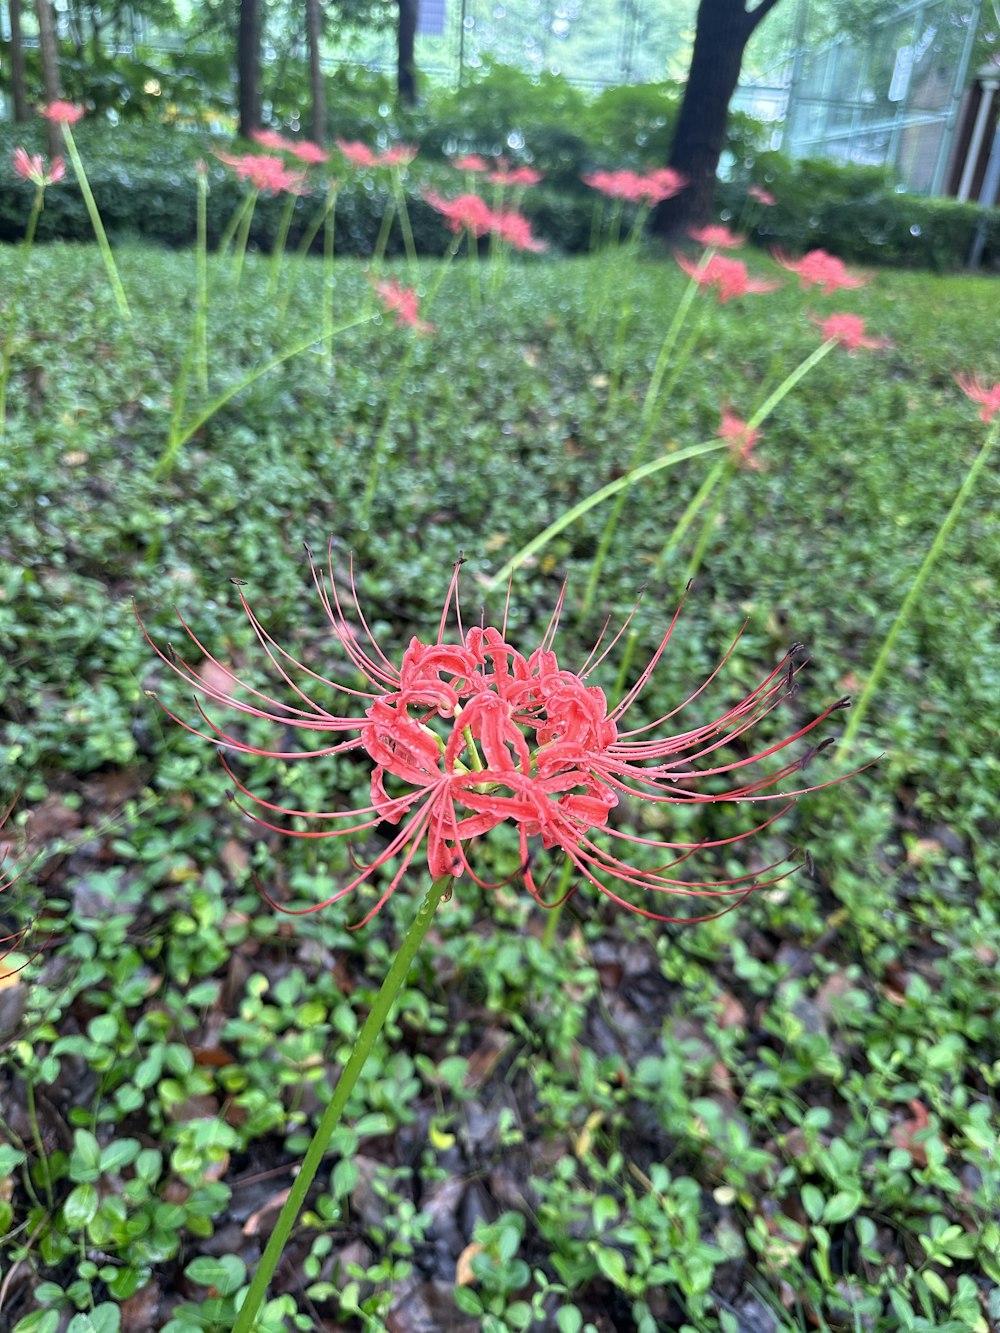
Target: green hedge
144, 182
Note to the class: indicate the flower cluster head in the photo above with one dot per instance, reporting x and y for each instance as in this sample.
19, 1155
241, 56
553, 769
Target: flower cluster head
404, 303
728, 276
466, 731
470, 162
987, 397
741, 439
649, 188
819, 269
469, 213
360, 155
847, 331
267, 174
514, 176
716, 237
303, 149
31, 167
761, 196
63, 113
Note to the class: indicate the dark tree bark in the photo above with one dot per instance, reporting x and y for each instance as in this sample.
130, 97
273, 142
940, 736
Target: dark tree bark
723, 29
406, 73
49, 54
248, 39
18, 78
314, 28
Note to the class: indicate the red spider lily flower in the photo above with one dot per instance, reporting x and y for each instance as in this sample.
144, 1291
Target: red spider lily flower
32, 168
848, 331
63, 113
468, 212
761, 196
649, 189
741, 441
470, 162
466, 733
515, 176
974, 388
819, 269
515, 229
307, 151
267, 174
399, 156
728, 276
358, 154
716, 238
272, 139
404, 303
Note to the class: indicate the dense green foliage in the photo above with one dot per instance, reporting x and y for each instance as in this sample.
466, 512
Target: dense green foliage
786, 1115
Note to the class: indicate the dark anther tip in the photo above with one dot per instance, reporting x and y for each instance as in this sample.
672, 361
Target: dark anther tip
825, 745
170, 655
308, 550
230, 796
238, 583
844, 702
796, 649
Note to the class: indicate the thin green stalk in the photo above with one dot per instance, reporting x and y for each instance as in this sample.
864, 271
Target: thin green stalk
399, 195
708, 526
323, 218
378, 450
110, 266
201, 253
226, 239
584, 506
15, 303
687, 518
280, 241
326, 314
909, 601
382, 240
243, 236
363, 1046
176, 441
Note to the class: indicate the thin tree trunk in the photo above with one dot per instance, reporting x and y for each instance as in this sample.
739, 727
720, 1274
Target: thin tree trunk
314, 28
48, 51
406, 72
248, 40
18, 79
724, 27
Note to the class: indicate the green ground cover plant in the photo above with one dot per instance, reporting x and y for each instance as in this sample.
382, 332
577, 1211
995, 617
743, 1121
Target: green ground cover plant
784, 1118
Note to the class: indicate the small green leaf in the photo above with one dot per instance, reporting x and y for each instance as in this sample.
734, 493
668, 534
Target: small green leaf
468, 1301
844, 1204
813, 1202
226, 1274
612, 1265
10, 1158
569, 1319
39, 1321
119, 1153
80, 1207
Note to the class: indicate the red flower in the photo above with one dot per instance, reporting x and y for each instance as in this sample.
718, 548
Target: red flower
741, 441
272, 139
973, 388
268, 174
649, 189
360, 155
716, 238
467, 212
848, 331
32, 168
466, 733
728, 276
404, 303
515, 229
307, 151
399, 156
470, 162
762, 196
515, 176
818, 269
63, 113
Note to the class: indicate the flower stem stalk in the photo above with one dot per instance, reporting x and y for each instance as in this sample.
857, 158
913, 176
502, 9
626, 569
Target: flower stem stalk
363, 1045
100, 235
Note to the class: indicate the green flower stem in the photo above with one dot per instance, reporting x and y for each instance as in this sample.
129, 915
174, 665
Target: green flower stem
584, 506
688, 517
930, 560
179, 436
326, 313
239, 212
95, 221
382, 240
15, 303
323, 218
363, 1045
243, 236
201, 253
280, 241
399, 195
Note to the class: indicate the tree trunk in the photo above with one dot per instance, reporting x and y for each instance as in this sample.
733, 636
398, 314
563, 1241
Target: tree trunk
314, 28
18, 78
49, 54
248, 40
723, 29
406, 72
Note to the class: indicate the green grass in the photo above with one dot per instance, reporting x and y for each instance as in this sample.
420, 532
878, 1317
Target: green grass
790, 1109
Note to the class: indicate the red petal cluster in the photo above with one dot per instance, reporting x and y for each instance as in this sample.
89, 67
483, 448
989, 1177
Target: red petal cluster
470, 213
467, 733
360, 155
265, 173
31, 167
635, 188
988, 397
728, 276
819, 269
63, 113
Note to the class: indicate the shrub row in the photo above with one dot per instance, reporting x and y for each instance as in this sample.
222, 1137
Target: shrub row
144, 182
